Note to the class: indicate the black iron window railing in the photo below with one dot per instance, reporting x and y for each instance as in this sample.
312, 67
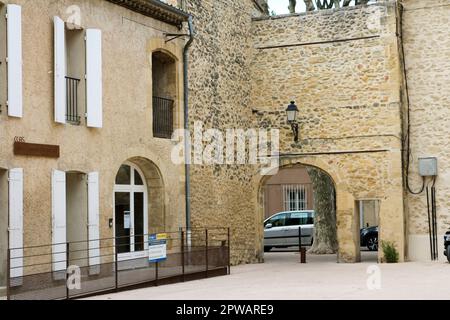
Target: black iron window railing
162, 117
72, 115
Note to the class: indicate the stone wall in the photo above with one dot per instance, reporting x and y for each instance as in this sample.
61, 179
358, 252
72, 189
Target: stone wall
427, 45
343, 69
220, 89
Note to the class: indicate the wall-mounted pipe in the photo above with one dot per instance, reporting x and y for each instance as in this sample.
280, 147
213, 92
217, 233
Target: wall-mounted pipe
186, 122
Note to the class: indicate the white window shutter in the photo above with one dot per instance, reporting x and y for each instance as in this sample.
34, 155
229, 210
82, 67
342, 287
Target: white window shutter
16, 222
94, 219
59, 220
94, 95
60, 70
14, 52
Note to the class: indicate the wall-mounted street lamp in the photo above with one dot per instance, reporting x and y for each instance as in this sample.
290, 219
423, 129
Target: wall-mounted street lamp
291, 113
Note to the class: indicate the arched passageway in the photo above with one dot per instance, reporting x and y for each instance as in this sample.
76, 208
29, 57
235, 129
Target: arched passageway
291, 187
300, 201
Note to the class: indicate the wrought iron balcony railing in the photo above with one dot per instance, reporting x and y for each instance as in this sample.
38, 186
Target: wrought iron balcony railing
72, 115
163, 117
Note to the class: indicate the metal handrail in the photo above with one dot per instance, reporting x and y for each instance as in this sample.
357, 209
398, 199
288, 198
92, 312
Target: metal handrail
184, 250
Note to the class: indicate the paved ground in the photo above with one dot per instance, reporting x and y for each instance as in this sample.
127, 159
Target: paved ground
282, 277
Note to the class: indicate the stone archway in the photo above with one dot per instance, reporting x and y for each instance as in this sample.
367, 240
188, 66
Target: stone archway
155, 190
347, 219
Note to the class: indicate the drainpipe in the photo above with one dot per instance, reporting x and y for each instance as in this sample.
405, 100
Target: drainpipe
186, 124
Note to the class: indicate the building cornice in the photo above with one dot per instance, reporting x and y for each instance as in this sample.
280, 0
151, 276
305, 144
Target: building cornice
155, 9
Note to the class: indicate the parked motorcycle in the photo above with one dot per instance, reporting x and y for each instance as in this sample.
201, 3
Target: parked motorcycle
447, 245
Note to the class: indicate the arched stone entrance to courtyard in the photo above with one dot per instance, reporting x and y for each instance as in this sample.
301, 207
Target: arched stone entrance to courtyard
347, 217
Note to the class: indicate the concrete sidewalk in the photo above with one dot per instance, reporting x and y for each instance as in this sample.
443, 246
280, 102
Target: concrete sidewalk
282, 277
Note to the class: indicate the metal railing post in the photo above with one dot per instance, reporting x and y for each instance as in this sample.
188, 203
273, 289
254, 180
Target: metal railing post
116, 265
206, 257
8, 275
229, 253
300, 246
156, 272
182, 254
67, 273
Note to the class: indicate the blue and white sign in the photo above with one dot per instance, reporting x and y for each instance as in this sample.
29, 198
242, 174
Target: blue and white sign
157, 247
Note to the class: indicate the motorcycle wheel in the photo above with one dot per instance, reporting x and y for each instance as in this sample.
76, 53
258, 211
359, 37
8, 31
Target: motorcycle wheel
372, 243
448, 253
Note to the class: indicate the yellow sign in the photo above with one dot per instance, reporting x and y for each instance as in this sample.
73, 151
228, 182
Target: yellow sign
161, 236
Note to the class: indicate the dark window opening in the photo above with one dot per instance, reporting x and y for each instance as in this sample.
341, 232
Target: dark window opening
164, 94
75, 71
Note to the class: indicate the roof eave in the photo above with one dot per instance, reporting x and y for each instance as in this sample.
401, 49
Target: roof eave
155, 9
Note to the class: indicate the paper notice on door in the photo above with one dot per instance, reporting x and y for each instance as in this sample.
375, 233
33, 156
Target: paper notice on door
127, 220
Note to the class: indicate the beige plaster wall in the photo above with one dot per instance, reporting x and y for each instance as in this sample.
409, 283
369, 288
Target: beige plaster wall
273, 189
128, 41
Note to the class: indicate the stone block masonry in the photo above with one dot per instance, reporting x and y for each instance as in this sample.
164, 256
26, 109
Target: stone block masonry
342, 67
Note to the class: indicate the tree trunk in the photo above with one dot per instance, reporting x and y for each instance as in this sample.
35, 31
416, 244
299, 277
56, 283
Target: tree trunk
292, 5
325, 234
309, 5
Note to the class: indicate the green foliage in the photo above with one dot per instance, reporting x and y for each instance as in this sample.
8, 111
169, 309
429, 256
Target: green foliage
391, 254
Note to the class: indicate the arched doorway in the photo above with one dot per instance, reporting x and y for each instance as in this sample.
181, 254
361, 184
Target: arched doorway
300, 197
130, 212
347, 215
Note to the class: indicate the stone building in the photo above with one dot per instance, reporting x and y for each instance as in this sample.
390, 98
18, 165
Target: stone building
108, 146
94, 93
426, 47
349, 93
345, 70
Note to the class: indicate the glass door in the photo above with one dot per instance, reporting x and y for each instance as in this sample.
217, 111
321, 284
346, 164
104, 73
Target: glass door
123, 222
130, 207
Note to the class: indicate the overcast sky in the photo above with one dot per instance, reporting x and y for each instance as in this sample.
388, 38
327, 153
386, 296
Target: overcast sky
281, 6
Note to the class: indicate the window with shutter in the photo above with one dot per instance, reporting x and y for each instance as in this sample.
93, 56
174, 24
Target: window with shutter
77, 217
3, 225
59, 220
94, 87
3, 75
70, 71
14, 60
60, 70
164, 94
94, 219
16, 222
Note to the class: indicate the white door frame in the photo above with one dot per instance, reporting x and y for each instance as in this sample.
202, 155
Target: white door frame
132, 188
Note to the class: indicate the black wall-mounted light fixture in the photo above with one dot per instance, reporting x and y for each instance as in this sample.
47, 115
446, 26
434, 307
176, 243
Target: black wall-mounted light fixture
291, 113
